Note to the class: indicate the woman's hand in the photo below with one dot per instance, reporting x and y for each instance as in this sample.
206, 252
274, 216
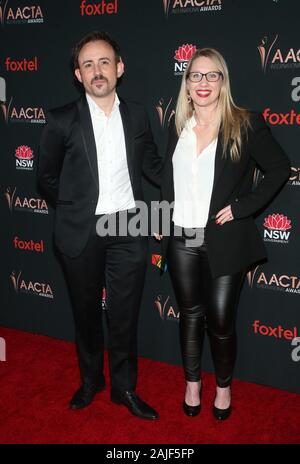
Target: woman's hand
224, 215
158, 237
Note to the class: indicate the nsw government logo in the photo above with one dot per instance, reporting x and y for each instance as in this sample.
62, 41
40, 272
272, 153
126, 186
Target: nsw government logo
277, 228
182, 56
24, 158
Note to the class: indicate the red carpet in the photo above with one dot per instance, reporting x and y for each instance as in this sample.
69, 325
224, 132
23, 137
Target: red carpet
40, 375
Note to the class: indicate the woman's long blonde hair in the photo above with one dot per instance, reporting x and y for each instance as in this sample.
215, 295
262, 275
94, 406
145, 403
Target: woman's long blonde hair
232, 118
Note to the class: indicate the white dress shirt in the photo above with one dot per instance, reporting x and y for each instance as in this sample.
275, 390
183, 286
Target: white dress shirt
193, 179
114, 182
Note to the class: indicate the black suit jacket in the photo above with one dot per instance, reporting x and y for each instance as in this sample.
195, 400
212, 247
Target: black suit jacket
236, 244
68, 171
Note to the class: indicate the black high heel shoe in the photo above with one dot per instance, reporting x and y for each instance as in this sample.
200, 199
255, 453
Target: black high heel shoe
221, 414
192, 411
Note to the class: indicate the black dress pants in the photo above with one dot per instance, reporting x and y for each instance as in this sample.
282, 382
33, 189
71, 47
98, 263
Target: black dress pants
119, 263
204, 301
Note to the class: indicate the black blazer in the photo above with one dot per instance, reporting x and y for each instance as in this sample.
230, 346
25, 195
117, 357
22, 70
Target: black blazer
68, 173
237, 244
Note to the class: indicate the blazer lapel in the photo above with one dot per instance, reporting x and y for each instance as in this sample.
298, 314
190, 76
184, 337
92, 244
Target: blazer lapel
168, 178
220, 163
88, 139
129, 137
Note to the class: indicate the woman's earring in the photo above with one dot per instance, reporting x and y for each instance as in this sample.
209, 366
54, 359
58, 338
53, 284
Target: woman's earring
189, 99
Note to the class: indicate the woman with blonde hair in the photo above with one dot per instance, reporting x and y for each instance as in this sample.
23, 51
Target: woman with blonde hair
214, 147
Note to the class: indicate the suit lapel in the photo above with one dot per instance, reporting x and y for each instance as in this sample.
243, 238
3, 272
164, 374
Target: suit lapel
129, 136
87, 134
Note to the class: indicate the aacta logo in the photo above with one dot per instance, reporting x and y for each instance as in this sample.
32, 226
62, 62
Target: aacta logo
28, 245
281, 119
28, 115
191, 6
277, 227
99, 8
295, 176
182, 55
21, 65
276, 332
28, 14
165, 112
24, 158
25, 204
165, 310
277, 58
282, 283
30, 287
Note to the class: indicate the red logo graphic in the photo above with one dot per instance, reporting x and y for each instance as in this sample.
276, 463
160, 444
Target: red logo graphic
276, 332
24, 152
24, 156
277, 222
21, 65
99, 8
288, 119
185, 52
156, 260
28, 245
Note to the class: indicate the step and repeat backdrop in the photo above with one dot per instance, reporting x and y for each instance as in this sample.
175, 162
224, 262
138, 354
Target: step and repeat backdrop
260, 40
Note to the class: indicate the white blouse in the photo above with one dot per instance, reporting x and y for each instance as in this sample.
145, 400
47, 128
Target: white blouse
193, 179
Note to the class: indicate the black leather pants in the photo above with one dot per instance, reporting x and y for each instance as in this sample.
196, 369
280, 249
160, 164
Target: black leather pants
204, 301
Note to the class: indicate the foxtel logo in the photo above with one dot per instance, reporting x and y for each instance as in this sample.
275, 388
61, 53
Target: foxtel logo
281, 119
276, 332
28, 245
21, 65
99, 8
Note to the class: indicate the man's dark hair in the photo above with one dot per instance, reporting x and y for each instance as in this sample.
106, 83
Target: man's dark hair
94, 37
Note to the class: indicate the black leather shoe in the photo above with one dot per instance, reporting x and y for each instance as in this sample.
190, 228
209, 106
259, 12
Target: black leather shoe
84, 396
191, 411
135, 405
221, 414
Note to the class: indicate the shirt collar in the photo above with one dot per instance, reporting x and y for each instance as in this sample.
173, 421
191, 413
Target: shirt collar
95, 109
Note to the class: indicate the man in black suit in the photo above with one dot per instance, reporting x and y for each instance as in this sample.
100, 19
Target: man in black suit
92, 155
